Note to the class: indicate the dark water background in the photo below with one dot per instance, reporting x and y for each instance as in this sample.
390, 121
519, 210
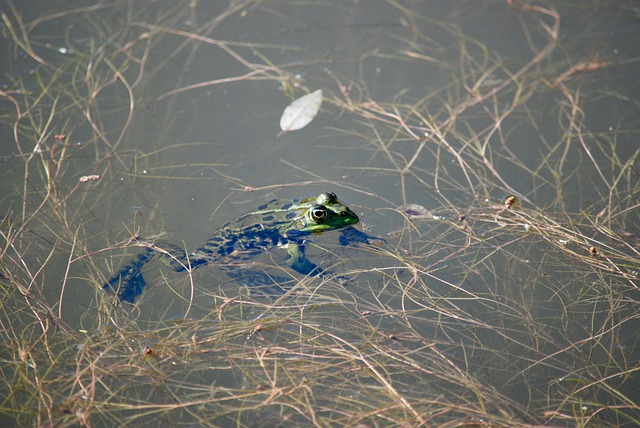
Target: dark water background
177, 159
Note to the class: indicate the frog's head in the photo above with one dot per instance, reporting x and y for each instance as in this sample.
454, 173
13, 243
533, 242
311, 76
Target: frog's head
325, 212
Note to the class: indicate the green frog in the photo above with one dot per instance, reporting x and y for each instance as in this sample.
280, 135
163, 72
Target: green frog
279, 223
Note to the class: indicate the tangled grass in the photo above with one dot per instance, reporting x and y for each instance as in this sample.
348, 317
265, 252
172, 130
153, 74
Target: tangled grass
506, 294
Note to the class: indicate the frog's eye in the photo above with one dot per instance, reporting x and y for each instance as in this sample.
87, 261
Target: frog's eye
318, 214
328, 198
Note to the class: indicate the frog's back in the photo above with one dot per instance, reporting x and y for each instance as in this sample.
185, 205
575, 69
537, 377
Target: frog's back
265, 227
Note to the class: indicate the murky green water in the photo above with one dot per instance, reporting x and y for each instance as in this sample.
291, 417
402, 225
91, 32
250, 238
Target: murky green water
475, 312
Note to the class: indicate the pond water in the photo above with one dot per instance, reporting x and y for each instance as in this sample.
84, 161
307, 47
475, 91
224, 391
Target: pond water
491, 146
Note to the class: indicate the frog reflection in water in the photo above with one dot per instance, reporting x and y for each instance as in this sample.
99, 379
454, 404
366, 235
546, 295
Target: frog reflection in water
277, 223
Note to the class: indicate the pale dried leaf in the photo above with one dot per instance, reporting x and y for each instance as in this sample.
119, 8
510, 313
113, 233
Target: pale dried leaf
301, 112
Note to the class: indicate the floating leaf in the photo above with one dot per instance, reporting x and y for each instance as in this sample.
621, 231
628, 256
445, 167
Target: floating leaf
299, 113
415, 211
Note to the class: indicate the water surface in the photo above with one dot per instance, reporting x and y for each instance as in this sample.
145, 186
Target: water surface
477, 310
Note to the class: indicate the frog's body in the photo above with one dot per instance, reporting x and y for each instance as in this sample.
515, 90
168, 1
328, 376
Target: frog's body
278, 223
